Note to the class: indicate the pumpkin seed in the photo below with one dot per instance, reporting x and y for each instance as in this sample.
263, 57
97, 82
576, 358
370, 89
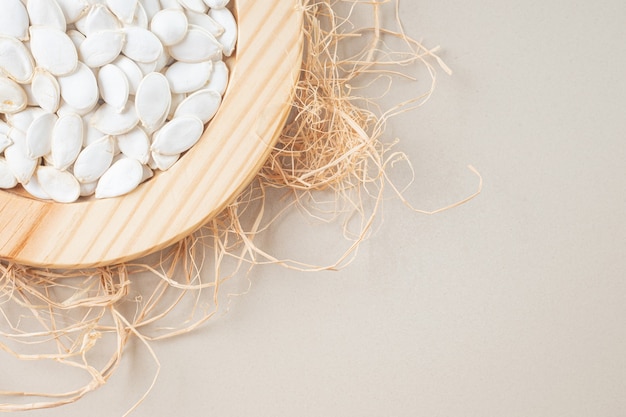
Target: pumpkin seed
67, 141
205, 22
88, 188
187, 78
111, 122
131, 70
203, 104
162, 162
170, 26
98, 18
151, 7
77, 39
197, 46
16, 61
17, 157
14, 19
135, 144
53, 50
153, 101
102, 47
46, 90
7, 179
216, 4
80, 89
177, 135
123, 9
141, 45
73, 9
5, 140
225, 18
46, 13
60, 185
39, 135
114, 86
12, 97
94, 160
121, 178
197, 6
219, 77
21, 121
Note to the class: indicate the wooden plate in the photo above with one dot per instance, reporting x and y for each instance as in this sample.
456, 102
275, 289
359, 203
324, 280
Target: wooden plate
176, 202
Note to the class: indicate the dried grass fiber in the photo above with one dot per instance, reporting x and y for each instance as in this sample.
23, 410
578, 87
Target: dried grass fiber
331, 163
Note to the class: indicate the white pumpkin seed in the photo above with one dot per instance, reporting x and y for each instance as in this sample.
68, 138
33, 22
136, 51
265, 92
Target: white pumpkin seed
114, 86
123, 9
46, 13
94, 160
176, 100
147, 173
22, 120
165, 59
187, 78
67, 141
7, 179
102, 47
219, 77
141, 45
12, 97
34, 189
91, 134
171, 4
216, 4
61, 186
53, 50
73, 9
5, 140
16, 61
65, 108
147, 67
87, 189
170, 26
151, 7
121, 178
205, 22
112, 122
98, 18
77, 39
80, 89
39, 135
17, 158
13, 19
46, 90
30, 98
203, 104
225, 18
162, 162
197, 6
135, 144
140, 19
131, 70
177, 135
197, 46
153, 101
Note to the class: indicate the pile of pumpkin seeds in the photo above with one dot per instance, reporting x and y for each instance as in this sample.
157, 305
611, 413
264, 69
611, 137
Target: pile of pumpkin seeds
95, 95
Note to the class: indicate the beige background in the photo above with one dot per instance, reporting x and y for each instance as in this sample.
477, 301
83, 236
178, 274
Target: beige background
512, 305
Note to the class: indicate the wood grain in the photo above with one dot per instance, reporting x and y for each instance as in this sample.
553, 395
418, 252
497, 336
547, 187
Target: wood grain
176, 202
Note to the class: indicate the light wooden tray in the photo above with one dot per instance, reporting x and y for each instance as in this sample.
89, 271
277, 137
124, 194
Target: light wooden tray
176, 202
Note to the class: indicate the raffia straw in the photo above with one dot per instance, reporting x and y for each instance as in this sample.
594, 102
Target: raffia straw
331, 163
